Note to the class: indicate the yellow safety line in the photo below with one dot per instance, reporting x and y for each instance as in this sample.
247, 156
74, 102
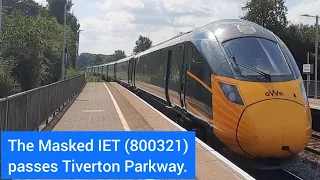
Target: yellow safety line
121, 117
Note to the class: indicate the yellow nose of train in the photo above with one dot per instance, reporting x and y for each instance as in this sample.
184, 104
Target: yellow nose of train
261, 120
273, 128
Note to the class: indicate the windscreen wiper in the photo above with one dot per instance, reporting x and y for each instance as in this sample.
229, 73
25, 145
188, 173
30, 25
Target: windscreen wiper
265, 75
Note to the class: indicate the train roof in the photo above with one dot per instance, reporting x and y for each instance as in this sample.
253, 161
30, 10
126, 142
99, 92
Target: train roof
228, 29
222, 30
114, 62
175, 40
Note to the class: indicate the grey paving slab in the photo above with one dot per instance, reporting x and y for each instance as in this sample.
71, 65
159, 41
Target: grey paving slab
314, 103
93, 110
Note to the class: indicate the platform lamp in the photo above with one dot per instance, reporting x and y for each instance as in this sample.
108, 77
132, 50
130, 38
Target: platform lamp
316, 53
77, 63
0, 17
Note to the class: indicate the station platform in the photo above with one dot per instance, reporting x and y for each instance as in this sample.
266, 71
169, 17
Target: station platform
107, 106
314, 103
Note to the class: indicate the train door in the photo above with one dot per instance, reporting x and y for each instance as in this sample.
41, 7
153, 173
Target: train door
175, 78
115, 71
107, 68
197, 91
130, 71
134, 62
183, 75
168, 76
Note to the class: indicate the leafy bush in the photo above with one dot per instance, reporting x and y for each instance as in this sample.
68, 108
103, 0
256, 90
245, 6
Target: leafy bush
8, 84
32, 38
72, 72
94, 78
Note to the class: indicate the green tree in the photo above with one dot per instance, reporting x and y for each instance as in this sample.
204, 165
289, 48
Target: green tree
72, 72
8, 84
28, 7
56, 8
22, 40
300, 39
53, 39
119, 54
31, 46
35, 44
98, 60
142, 44
72, 21
87, 59
270, 14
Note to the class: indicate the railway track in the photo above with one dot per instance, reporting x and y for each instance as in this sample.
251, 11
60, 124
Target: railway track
273, 174
314, 143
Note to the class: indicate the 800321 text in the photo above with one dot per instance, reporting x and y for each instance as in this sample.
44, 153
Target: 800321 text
161, 145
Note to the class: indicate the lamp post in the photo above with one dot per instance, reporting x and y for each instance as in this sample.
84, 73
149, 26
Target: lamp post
64, 40
0, 18
78, 47
316, 53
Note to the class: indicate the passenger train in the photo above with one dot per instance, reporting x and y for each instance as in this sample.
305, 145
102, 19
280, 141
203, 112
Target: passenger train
231, 79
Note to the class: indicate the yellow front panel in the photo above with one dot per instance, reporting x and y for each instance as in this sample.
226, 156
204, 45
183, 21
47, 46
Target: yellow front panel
227, 114
276, 123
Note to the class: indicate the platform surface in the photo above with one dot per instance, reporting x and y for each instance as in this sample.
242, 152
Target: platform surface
110, 107
314, 103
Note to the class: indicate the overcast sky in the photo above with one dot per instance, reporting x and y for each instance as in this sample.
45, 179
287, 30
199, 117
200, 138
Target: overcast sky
116, 24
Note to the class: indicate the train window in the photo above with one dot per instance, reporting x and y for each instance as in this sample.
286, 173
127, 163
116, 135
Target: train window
196, 57
199, 67
261, 54
175, 68
215, 57
291, 59
198, 98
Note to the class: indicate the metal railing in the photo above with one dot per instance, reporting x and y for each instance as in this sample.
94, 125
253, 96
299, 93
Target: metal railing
310, 88
28, 110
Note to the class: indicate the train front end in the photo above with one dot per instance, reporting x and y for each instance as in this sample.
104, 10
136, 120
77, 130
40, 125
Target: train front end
260, 106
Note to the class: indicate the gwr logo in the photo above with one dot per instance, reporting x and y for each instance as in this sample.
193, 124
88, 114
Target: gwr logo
274, 93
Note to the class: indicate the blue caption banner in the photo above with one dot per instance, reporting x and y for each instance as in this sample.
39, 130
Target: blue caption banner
142, 155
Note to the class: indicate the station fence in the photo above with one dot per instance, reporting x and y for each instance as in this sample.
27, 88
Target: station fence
28, 110
310, 88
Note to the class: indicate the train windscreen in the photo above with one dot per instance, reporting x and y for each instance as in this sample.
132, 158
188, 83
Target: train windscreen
256, 56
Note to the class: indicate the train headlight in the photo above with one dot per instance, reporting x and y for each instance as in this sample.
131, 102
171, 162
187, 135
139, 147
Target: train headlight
232, 97
303, 93
231, 93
